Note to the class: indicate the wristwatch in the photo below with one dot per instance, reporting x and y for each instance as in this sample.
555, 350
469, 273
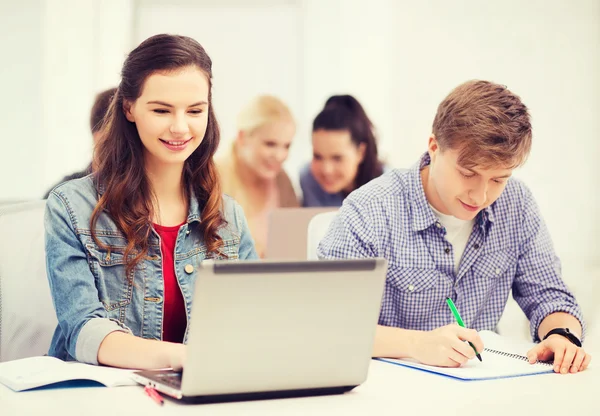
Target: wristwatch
565, 333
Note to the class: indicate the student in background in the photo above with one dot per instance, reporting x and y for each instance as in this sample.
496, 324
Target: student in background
344, 153
122, 296
252, 171
457, 225
99, 109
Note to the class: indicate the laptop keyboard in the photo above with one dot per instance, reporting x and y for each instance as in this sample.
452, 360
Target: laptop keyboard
170, 379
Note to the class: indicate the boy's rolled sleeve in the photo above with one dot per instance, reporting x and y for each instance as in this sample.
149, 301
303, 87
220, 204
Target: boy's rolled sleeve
538, 287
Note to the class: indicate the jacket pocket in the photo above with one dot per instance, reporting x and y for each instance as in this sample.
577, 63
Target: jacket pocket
229, 251
115, 288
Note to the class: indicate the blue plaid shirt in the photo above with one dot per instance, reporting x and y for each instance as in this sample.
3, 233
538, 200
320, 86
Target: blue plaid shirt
509, 248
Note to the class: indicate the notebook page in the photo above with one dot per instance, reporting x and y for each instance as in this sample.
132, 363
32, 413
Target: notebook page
28, 373
493, 365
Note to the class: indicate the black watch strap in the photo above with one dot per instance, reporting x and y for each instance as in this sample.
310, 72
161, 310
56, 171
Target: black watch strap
565, 333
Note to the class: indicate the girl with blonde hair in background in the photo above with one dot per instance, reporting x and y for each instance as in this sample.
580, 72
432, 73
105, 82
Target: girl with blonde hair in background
252, 171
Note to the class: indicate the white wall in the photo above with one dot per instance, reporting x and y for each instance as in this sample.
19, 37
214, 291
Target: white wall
84, 44
59, 53
21, 153
400, 58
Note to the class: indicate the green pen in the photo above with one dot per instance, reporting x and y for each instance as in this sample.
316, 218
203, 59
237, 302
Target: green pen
461, 323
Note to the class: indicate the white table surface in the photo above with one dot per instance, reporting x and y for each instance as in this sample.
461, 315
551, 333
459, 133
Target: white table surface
389, 389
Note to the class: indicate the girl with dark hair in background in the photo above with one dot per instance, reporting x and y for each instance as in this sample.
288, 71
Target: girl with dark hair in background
344, 153
123, 244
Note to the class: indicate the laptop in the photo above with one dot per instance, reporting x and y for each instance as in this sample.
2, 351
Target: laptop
270, 329
285, 223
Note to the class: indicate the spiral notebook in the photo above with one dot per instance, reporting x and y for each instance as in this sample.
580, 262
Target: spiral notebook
502, 358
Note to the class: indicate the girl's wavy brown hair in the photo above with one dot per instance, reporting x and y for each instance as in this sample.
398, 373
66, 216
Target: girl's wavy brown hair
119, 174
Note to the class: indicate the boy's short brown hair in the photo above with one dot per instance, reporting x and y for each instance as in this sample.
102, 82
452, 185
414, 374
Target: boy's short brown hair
487, 123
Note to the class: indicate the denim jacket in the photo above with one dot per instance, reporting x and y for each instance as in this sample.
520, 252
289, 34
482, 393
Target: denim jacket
91, 294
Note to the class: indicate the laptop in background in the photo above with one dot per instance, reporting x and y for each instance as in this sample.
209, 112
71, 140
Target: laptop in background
287, 234
267, 329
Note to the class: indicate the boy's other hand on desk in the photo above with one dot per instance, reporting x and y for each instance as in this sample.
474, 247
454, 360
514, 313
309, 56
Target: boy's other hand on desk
568, 357
446, 346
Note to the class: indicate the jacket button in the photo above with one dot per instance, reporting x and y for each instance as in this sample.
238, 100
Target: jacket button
188, 268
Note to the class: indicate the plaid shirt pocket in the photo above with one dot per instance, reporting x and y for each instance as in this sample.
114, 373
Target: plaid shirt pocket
417, 294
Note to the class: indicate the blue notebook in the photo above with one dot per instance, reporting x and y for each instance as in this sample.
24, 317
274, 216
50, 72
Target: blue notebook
502, 358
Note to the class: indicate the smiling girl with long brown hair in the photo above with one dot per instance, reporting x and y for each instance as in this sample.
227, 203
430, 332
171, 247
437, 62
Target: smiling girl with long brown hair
123, 245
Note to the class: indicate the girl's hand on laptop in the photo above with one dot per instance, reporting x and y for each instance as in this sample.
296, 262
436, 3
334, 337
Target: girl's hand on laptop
445, 346
177, 356
568, 357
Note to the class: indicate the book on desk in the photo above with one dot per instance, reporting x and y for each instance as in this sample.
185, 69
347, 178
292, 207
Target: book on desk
34, 372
